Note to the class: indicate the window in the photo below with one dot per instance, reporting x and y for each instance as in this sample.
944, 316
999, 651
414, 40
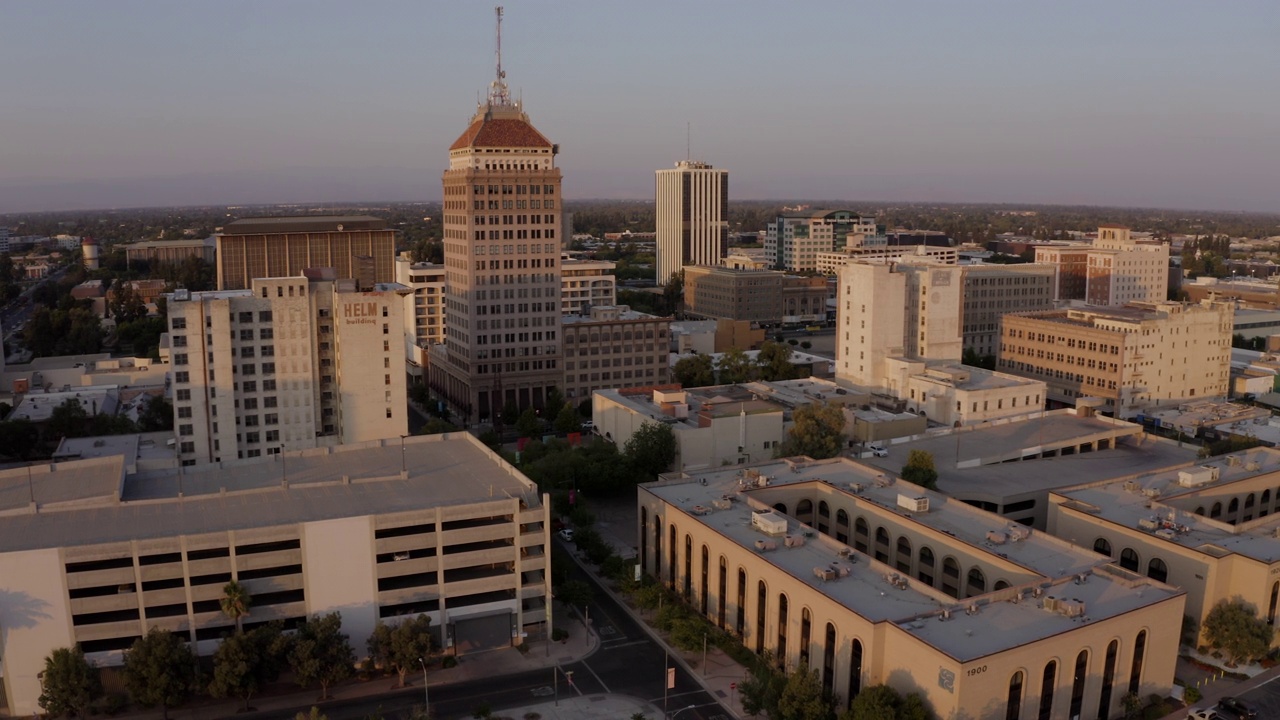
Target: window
1129, 559
179, 341
268, 368
180, 359
1157, 570
187, 447
1013, 705
183, 395
248, 369
183, 376
186, 430
179, 323
266, 334
246, 317
1047, 682
264, 316
273, 436
1102, 547
184, 412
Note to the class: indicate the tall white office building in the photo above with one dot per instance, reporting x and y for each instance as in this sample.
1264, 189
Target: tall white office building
692, 205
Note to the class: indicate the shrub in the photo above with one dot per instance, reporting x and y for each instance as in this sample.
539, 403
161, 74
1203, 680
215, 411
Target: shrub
559, 634
1191, 694
449, 661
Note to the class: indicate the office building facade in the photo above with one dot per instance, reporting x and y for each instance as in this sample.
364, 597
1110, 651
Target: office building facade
691, 216
1133, 358
587, 283
285, 246
423, 312
990, 291
502, 217
613, 347
793, 241
290, 363
1113, 270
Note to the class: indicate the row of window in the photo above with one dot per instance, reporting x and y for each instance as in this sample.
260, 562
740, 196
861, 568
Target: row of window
513, 189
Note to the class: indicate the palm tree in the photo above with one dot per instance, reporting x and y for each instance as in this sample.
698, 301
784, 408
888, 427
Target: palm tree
235, 602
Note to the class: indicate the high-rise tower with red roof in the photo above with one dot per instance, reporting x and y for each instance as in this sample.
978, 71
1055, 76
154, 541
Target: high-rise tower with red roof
502, 235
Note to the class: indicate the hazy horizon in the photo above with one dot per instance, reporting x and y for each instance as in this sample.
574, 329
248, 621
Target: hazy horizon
1141, 104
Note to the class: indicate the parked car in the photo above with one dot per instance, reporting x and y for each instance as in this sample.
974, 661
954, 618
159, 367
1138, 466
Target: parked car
1203, 714
588, 426
1239, 708
879, 450
566, 534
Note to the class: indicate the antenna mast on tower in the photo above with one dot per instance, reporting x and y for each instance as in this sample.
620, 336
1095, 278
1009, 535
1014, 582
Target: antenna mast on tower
498, 92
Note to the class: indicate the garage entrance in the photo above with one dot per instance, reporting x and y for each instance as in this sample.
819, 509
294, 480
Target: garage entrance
485, 632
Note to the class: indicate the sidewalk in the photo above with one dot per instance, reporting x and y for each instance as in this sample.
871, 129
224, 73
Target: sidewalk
588, 707
282, 699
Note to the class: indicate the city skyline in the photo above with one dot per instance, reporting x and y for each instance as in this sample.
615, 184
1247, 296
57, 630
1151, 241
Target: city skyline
151, 105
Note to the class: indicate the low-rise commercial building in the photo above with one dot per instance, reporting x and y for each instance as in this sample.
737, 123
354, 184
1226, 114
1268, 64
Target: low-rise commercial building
949, 393
1246, 292
613, 347
1208, 527
870, 580
437, 525
990, 291
171, 252
586, 283
1135, 358
829, 263
716, 292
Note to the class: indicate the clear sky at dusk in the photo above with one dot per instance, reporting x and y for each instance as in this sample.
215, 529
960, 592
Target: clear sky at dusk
1157, 103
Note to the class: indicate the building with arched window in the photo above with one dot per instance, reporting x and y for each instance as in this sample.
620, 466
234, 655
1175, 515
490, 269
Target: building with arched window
1207, 526
873, 580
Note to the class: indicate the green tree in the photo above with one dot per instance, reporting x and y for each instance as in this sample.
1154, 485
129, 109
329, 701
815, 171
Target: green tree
972, 358
160, 669
403, 645
817, 430
436, 426
567, 420
761, 690
881, 702
315, 714
157, 415
651, 449
235, 603
673, 294
694, 371
1233, 626
528, 424
69, 684
555, 400
775, 362
321, 653
19, 439
802, 697
575, 593
67, 420
920, 470
124, 304
736, 367
247, 661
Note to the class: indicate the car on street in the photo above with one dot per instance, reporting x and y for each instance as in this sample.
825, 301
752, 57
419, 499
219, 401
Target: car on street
566, 534
878, 450
1203, 714
1239, 708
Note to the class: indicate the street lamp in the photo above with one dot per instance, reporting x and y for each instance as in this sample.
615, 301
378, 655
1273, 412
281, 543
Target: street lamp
426, 691
676, 713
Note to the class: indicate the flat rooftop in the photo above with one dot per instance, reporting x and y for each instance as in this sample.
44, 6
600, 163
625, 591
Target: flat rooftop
1003, 619
304, 224
94, 501
137, 446
1160, 498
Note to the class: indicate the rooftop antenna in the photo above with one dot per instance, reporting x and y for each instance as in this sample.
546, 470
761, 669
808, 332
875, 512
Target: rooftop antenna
498, 93
688, 142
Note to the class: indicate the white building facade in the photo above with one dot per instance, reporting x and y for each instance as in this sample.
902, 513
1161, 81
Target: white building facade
692, 205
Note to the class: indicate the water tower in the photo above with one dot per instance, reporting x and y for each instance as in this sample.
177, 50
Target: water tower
90, 250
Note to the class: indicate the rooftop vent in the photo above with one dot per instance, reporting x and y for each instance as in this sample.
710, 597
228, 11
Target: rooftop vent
995, 537
913, 503
793, 541
1233, 460
824, 573
769, 523
1195, 477
766, 545
1018, 532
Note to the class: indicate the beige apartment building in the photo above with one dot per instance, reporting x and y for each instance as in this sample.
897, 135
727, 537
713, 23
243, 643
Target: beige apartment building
614, 347
990, 291
793, 241
829, 263
1207, 526
1115, 269
586, 283
502, 219
356, 246
423, 312
717, 292
289, 364
1134, 358
868, 579
438, 525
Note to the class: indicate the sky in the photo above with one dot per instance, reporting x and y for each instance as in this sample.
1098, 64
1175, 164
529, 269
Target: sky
1154, 103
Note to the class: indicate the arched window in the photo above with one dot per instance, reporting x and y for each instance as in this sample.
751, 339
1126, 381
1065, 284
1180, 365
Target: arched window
1129, 559
855, 669
1271, 610
1135, 672
781, 649
882, 545
724, 590
740, 624
1077, 683
860, 534
1157, 570
706, 580
644, 540
1013, 705
804, 511
1108, 679
1000, 585
671, 561
806, 624
1234, 507
1047, 681
1216, 510
924, 567
1102, 546
657, 548
688, 567
903, 558
951, 577
1248, 501
829, 659
1200, 511
842, 526
824, 516
977, 582
780, 507
762, 600
1266, 498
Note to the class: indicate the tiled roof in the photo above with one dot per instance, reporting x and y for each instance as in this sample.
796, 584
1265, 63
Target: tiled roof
500, 132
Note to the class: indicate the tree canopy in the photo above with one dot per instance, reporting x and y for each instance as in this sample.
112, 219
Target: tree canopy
694, 371
402, 645
160, 669
817, 430
652, 448
321, 653
247, 661
881, 702
735, 366
69, 683
920, 470
1233, 626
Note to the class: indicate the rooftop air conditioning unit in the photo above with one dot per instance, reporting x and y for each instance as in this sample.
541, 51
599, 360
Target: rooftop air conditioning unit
1051, 603
793, 541
995, 537
1149, 523
913, 503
